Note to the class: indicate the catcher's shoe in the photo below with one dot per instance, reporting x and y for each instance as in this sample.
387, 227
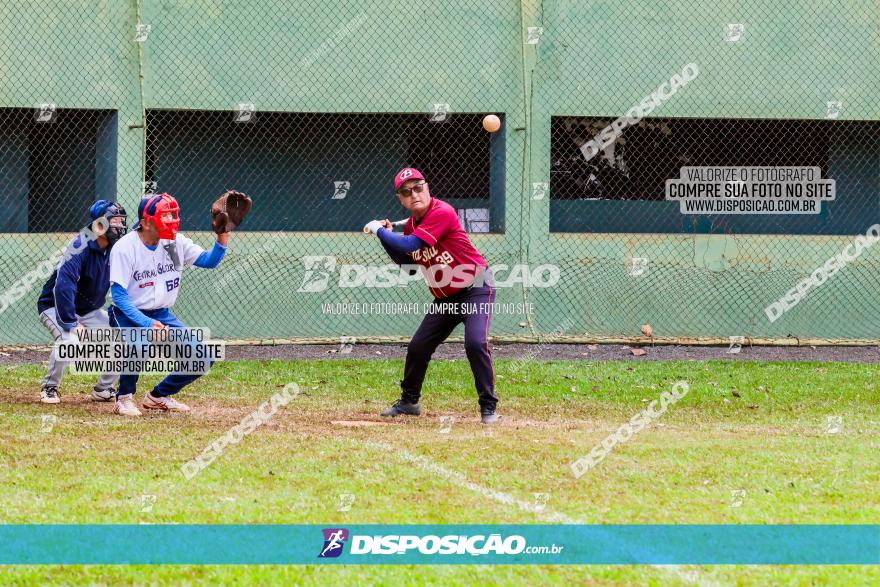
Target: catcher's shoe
403, 407
49, 395
125, 406
488, 416
164, 404
103, 395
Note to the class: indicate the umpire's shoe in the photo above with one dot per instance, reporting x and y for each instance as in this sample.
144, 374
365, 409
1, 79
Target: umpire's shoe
49, 395
403, 407
103, 395
488, 416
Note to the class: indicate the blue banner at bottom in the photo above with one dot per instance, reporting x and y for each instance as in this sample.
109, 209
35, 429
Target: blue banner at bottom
440, 544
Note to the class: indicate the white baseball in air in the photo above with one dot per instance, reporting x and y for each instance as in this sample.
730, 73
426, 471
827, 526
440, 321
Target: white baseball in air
491, 123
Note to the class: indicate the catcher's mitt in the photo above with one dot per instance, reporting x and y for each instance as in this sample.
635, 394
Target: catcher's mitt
229, 210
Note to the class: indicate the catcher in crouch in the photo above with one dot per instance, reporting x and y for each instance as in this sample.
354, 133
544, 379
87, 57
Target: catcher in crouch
434, 238
145, 279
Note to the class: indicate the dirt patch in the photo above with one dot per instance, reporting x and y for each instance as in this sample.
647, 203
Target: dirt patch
358, 423
530, 352
550, 352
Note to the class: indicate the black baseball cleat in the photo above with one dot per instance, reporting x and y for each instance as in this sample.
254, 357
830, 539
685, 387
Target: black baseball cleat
403, 407
488, 416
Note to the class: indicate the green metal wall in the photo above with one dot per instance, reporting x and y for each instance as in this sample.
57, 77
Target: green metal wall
595, 58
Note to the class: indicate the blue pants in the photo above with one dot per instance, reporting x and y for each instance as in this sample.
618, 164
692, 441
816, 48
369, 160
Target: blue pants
471, 307
173, 382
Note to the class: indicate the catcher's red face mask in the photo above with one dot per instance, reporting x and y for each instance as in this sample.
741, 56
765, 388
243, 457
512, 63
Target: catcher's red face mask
157, 206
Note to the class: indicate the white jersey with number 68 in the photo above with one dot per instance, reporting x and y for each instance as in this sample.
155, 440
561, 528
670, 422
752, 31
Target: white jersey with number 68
147, 275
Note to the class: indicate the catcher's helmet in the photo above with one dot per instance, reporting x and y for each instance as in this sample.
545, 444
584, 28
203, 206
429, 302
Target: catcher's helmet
153, 206
108, 210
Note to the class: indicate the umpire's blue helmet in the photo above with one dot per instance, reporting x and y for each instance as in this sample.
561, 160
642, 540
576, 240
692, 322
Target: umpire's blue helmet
108, 210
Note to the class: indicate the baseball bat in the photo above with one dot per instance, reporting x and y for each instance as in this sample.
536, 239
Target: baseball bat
395, 223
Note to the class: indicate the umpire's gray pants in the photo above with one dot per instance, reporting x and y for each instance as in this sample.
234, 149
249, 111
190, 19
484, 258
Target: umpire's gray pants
95, 319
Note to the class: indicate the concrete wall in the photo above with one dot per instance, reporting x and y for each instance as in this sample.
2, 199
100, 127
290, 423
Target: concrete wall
594, 59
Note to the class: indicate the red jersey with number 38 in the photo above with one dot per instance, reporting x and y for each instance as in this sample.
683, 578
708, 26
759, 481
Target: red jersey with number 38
448, 248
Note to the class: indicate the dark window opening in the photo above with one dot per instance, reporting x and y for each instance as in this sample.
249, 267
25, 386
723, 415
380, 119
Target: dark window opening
638, 164
54, 163
314, 171
622, 188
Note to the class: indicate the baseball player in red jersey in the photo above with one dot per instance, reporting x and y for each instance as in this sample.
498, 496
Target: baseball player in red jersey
458, 278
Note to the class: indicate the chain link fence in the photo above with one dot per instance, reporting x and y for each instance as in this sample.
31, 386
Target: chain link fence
312, 107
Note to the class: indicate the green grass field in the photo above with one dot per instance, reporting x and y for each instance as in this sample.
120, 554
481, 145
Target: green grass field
757, 428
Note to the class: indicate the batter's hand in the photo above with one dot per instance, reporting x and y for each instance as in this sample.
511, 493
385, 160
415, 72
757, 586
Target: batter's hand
387, 224
158, 325
374, 226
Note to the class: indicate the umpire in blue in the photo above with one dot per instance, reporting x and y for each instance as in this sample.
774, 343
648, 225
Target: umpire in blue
74, 295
